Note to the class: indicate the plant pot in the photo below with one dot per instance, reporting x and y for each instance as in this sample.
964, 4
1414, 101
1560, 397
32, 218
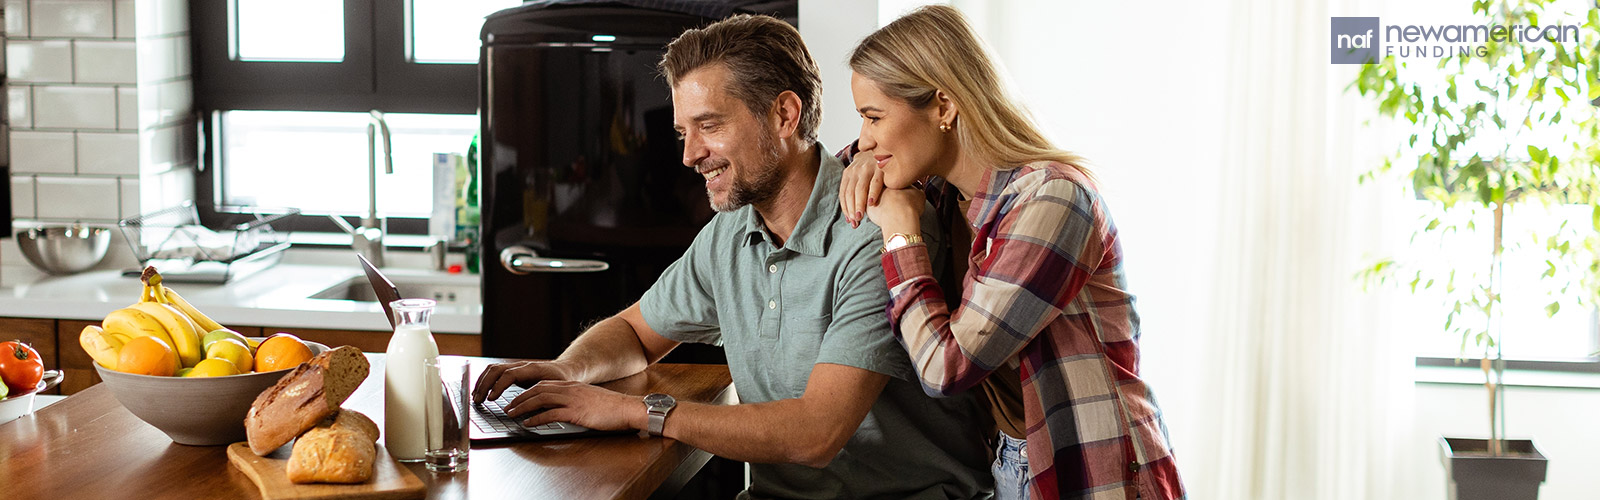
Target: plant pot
1473, 474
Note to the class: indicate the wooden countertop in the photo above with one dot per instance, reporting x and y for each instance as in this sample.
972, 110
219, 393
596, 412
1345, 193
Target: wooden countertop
89, 446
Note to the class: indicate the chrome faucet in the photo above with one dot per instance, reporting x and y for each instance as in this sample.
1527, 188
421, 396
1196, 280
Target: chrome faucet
368, 240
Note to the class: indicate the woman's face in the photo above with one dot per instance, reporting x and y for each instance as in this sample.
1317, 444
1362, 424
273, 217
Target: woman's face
905, 141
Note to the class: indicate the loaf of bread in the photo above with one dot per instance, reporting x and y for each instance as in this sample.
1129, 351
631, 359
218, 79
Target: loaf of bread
341, 449
303, 398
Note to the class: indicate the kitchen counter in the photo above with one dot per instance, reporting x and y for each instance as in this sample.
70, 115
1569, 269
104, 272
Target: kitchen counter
275, 297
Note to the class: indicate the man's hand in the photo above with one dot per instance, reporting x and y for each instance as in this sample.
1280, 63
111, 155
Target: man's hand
499, 376
579, 403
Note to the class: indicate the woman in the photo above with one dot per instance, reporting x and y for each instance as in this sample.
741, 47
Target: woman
1040, 320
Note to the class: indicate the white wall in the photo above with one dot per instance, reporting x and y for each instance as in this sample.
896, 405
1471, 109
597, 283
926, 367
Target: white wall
831, 28
1563, 423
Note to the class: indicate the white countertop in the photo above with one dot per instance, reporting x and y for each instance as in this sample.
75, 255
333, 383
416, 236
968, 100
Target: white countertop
275, 297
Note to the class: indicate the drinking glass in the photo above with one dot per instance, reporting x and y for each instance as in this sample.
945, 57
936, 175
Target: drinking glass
449, 415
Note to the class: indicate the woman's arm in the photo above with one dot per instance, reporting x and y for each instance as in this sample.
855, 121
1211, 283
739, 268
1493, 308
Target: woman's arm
1042, 251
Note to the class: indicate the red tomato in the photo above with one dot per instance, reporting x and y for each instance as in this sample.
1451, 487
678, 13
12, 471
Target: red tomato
20, 366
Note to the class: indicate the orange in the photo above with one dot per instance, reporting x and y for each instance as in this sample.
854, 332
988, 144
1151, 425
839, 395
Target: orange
281, 351
147, 356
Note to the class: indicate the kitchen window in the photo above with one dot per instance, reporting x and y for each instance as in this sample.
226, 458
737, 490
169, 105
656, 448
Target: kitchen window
283, 87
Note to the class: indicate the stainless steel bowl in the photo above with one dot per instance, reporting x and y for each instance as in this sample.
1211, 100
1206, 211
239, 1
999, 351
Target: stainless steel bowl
64, 249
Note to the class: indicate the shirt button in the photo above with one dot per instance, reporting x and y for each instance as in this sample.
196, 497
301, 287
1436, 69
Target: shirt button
772, 268
1133, 466
772, 304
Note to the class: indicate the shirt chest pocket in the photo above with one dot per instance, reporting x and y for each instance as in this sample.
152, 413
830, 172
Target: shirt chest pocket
792, 350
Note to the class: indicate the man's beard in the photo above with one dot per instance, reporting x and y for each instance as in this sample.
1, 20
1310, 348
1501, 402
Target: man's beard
763, 182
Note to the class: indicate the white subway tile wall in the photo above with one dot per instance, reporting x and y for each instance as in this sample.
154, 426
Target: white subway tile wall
19, 106
75, 107
108, 153
22, 196
100, 103
16, 18
78, 198
128, 187
39, 62
72, 18
43, 152
125, 19
104, 62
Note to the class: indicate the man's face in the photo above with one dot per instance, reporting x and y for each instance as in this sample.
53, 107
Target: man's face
732, 148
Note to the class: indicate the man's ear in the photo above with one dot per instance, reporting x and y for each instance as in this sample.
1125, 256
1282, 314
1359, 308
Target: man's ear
785, 116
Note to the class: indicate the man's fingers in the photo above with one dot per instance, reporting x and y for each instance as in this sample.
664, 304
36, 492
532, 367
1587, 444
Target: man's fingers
486, 379
562, 414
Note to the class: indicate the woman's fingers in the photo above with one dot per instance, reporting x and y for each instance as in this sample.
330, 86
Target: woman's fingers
875, 187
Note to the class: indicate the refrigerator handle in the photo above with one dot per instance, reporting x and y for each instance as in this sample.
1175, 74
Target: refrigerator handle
523, 260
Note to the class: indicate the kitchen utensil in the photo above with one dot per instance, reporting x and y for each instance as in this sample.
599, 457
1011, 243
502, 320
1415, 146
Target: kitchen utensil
64, 249
199, 411
19, 404
270, 473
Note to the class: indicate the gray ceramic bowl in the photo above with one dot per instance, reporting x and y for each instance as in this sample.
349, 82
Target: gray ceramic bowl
64, 249
200, 411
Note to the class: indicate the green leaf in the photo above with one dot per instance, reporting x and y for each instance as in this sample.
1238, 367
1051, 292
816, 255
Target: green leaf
1550, 310
1538, 154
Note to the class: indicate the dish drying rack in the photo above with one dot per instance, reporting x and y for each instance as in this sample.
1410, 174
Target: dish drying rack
184, 251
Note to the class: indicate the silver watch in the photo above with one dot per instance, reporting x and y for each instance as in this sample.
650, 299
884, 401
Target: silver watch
659, 405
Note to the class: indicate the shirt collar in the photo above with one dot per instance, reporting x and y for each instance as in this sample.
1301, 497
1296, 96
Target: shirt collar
811, 232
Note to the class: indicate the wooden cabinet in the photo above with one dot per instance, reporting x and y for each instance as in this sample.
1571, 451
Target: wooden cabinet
369, 341
57, 343
38, 333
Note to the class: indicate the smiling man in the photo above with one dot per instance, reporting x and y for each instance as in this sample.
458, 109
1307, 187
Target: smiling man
829, 405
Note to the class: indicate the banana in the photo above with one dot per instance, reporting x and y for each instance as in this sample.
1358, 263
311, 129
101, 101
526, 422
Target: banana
207, 325
100, 346
185, 340
132, 322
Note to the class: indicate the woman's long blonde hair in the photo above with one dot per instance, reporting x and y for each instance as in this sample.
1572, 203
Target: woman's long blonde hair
933, 49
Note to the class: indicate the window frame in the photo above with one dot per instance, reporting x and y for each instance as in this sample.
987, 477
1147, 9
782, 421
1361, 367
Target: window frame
376, 73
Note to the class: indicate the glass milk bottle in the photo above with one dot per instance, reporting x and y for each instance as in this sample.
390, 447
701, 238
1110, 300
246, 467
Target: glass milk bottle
404, 400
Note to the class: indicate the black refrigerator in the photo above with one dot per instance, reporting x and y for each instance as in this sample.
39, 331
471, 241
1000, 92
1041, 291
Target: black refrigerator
585, 197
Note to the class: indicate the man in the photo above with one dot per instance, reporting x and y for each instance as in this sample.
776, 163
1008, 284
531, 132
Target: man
830, 408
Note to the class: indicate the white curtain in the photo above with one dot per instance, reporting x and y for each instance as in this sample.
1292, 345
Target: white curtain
1229, 153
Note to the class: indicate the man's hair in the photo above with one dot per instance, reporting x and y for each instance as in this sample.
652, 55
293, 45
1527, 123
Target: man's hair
764, 57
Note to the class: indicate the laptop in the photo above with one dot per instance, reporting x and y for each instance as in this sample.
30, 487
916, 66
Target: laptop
489, 420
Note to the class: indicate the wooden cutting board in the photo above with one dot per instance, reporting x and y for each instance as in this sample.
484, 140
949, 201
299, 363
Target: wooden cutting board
389, 479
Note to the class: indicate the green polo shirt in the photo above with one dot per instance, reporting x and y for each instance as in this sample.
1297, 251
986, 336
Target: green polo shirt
820, 298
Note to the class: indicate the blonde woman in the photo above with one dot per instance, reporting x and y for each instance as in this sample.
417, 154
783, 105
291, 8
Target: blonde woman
1035, 312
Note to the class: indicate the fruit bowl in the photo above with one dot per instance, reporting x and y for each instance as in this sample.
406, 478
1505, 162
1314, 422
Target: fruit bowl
19, 404
201, 411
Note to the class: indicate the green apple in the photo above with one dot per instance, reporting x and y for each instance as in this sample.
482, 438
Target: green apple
222, 333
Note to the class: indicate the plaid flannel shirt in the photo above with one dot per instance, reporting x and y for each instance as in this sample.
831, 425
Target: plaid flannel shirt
1044, 288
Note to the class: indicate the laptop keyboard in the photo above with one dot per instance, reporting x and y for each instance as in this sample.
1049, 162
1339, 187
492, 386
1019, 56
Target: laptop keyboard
490, 416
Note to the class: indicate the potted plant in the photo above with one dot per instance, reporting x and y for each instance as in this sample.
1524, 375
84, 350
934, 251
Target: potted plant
1493, 132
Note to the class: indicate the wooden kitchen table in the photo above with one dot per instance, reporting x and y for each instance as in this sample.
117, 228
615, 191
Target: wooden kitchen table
89, 446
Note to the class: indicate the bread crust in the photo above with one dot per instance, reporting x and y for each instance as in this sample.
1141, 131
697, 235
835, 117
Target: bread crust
303, 398
341, 449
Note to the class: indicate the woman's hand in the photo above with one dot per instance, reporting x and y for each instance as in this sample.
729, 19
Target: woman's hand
898, 211
860, 187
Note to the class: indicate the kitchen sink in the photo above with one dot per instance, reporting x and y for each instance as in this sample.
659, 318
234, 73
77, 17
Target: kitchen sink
360, 290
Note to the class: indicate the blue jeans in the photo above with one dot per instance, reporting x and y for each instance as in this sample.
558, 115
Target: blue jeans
1011, 469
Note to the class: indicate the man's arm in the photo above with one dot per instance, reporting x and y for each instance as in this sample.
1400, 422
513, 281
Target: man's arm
808, 430
614, 348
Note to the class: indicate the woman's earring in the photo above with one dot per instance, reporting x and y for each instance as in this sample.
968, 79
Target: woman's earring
944, 127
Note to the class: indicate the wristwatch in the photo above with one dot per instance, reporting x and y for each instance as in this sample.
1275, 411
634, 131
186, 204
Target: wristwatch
659, 405
898, 240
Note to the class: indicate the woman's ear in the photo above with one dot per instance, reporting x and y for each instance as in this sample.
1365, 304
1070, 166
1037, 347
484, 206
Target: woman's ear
947, 108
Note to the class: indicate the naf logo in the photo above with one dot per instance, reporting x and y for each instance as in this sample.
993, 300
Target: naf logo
1355, 40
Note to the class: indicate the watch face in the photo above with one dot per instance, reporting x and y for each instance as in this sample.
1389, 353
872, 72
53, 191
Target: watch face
659, 400
897, 240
